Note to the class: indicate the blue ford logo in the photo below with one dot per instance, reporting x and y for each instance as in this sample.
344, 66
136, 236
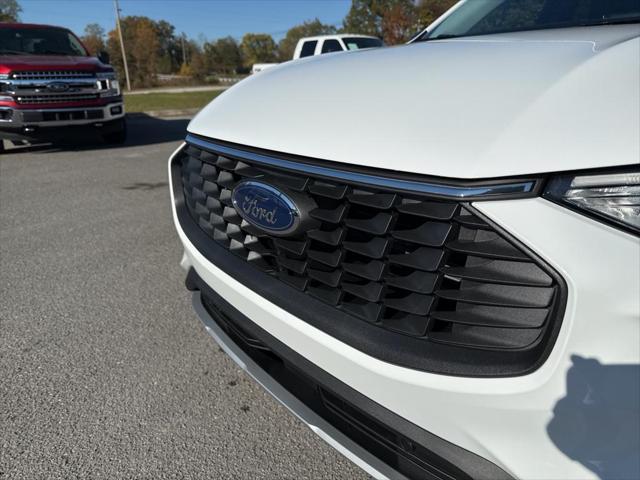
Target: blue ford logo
266, 207
58, 87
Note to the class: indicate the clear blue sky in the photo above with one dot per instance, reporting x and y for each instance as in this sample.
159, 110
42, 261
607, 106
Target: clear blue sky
210, 18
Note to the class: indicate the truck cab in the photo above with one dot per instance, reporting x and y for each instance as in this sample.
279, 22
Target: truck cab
310, 46
51, 88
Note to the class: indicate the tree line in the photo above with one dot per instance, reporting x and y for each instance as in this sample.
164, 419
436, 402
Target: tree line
153, 47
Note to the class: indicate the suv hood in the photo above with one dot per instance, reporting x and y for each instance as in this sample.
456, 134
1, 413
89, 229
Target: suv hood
10, 63
478, 107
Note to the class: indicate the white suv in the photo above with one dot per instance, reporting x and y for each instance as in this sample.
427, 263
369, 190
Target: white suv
431, 253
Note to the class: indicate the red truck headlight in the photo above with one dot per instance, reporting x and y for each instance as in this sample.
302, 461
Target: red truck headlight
108, 84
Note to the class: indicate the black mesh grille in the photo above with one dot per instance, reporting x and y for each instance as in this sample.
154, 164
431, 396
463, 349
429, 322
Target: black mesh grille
411, 265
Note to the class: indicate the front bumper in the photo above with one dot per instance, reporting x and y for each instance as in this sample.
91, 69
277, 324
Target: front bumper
575, 417
40, 123
338, 414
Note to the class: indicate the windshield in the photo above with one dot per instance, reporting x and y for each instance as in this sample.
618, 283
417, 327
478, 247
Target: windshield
39, 41
356, 43
484, 17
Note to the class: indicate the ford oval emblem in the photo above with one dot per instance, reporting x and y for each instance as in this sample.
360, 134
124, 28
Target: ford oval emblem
58, 87
266, 207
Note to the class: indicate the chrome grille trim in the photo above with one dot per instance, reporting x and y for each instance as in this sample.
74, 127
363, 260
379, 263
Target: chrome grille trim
42, 99
51, 75
478, 192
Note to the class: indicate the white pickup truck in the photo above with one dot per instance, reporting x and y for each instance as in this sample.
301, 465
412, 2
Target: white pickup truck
310, 46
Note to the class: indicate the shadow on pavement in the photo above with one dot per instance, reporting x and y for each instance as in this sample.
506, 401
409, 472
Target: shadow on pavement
597, 423
142, 130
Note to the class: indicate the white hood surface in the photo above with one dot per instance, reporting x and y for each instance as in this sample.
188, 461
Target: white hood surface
490, 106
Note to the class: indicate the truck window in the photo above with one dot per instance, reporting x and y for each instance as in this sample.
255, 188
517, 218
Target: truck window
39, 41
356, 43
308, 48
331, 46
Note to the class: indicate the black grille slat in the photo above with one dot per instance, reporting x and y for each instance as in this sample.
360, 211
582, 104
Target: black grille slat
211, 189
424, 258
225, 197
500, 295
195, 180
334, 215
253, 243
429, 234
380, 201
231, 216
417, 281
486, 337
489, 316
368, 311
326, 294
413, 303
434, 210
331, 279
297, 247
408, 264
471, 221
296, 266
331, 258
226, 179
247, 171
377, 225
498, 249
298, 282
336, 192
374, 248
372, 291
406, 323
226, 163
206, 157
499, 271
371, 270
331, 237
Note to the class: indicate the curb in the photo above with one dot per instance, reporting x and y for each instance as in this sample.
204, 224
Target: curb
186, 112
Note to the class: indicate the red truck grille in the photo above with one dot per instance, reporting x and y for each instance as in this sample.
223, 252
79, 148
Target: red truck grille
51, 75
40, 99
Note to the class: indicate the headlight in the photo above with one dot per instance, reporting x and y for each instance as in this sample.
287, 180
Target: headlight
115, 85
613, 197
108, 84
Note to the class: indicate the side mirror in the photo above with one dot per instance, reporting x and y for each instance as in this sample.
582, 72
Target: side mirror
104, 57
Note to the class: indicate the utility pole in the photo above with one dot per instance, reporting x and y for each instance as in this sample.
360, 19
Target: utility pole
184, 53
124, 55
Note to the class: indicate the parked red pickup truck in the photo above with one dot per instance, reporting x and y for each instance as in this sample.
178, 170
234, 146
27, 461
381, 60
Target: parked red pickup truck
52, 89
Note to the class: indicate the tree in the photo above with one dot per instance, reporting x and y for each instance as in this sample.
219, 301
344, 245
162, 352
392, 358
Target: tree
93, 38
223, 55
199, 67
399, 23
310, 28
170, 53
10, 11
198, 63
143, 48
429, 10
395, 21
258, 48
363, 18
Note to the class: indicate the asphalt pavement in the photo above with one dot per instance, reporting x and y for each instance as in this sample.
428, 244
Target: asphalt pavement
105, 371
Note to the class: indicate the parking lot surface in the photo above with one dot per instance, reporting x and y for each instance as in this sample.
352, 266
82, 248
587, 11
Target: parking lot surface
105, 371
